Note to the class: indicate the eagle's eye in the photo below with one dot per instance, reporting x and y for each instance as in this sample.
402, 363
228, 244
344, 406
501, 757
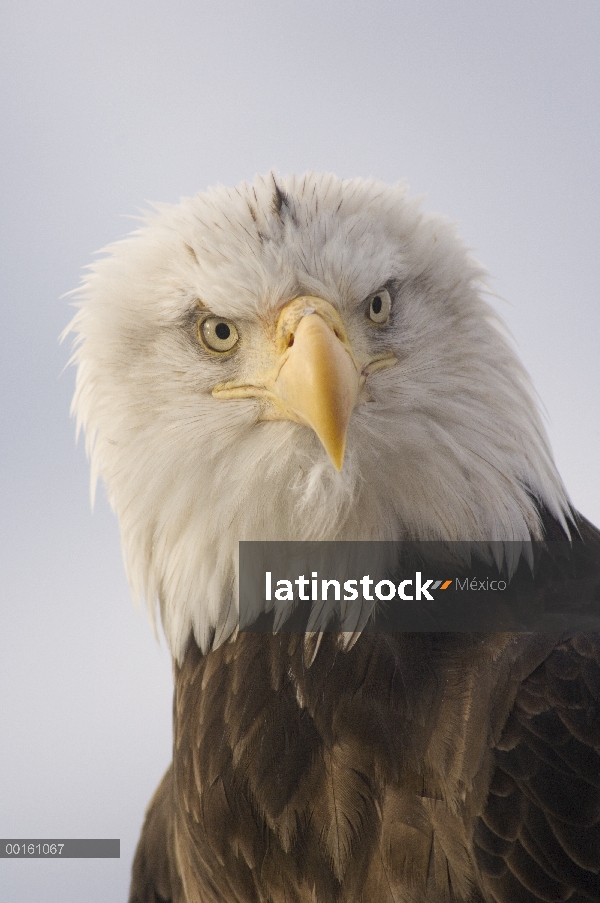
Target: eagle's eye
379, 305
218, 335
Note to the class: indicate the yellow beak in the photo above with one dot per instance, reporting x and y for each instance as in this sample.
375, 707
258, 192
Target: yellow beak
314, 380
318, 384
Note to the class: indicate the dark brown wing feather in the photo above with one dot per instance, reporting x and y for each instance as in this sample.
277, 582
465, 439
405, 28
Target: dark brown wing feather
154, 876
539, 836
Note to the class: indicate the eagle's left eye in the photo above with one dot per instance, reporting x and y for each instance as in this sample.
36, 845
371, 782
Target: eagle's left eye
218, 335
379, 305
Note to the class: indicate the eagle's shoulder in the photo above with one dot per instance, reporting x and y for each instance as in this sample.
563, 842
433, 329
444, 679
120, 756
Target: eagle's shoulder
154, 877
539, 835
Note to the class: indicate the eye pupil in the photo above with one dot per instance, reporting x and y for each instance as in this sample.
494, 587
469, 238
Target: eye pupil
222, 331
376, 304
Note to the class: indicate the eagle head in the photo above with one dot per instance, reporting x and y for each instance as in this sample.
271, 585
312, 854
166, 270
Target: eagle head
301, 358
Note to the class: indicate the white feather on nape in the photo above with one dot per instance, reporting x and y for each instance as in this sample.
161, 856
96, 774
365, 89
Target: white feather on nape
451, 445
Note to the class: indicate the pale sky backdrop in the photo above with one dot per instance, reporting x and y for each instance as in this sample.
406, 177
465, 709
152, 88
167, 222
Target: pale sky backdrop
490, 110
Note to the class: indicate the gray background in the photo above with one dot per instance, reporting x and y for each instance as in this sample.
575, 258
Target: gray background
490, 110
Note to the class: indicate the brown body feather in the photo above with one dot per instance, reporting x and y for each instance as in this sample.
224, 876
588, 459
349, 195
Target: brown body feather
412, 768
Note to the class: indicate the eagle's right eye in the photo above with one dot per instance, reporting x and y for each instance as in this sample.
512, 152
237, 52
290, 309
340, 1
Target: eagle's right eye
218, 335
379, 305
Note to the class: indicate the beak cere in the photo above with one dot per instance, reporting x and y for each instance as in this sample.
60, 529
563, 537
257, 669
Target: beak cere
318, 384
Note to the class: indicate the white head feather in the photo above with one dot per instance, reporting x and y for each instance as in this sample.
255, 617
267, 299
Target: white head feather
451, 446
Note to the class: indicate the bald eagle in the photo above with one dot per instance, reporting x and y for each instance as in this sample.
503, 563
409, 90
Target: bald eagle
314, 359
